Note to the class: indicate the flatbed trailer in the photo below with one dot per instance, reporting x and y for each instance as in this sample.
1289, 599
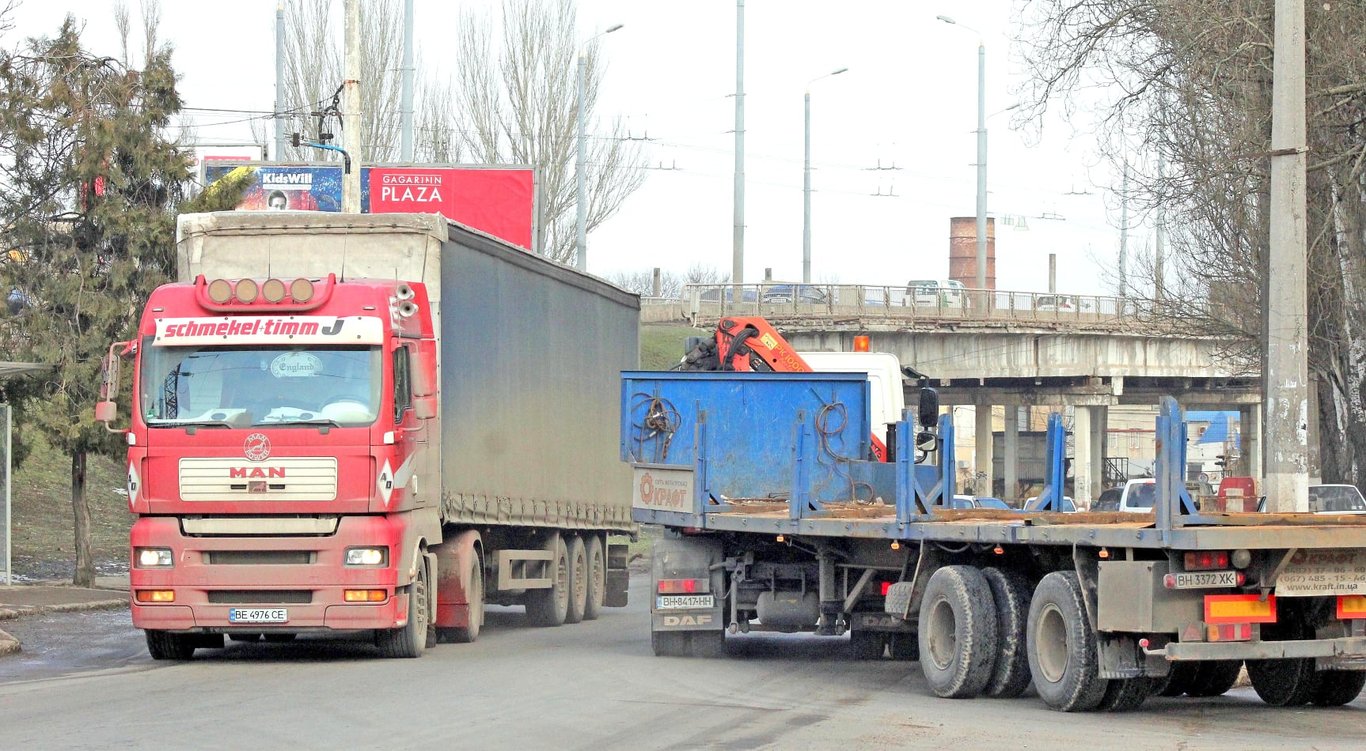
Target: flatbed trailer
774, 519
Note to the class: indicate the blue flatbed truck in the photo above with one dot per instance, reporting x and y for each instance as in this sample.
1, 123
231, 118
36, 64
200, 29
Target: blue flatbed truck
775, 519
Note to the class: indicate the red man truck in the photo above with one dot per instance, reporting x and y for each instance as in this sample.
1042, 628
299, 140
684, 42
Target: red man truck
370, 423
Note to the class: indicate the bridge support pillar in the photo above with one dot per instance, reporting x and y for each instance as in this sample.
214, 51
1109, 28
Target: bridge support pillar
981, 484
1011, 490
1250, 429
1081, 457
1100, 428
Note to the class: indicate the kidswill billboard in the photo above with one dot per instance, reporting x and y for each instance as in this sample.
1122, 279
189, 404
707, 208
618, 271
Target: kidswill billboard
494, 199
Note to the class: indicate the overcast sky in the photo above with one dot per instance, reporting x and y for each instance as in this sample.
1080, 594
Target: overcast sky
908, 99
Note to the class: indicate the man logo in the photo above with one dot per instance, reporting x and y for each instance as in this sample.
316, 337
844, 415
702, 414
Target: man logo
257, 447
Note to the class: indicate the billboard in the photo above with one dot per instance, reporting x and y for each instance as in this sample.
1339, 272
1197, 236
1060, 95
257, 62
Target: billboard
494, 199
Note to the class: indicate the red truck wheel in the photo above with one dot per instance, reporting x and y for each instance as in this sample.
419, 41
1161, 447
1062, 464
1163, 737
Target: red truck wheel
411, 639
578, 580
550, 606
597, 578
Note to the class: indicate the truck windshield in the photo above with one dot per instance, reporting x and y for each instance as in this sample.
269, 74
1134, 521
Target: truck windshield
245, 386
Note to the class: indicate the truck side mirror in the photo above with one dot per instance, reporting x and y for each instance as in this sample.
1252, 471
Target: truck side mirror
424, 407
106, 411
929, 408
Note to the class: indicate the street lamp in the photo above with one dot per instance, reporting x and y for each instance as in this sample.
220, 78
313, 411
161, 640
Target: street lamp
981, 153
806, 183
580, 165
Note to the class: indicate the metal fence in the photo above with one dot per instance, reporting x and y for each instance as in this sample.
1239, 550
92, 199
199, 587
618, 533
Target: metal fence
898, 304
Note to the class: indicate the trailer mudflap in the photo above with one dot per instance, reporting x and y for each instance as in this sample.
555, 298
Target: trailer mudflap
618, 576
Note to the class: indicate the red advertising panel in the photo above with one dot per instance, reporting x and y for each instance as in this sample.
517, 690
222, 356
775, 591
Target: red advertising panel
498, 201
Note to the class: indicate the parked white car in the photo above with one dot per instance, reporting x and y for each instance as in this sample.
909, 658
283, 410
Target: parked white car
1134, 496
940, 293
1336, 499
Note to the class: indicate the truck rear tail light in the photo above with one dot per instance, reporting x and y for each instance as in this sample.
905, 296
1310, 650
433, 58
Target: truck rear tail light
273, 290
1351, 607
1222, 609
886, 587
156, 595
1206, 561
246, 291
1230, 632
364, 595
684, 586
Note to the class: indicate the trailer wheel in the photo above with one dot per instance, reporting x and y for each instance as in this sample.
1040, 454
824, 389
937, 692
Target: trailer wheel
1010, 592
1062, 646
474, 596
957, 632
1126, 694
1214, 678
1284, 683
578, 580
867, 645
549, 606
409, 640
1338, 687
165, 646
597, 578
1178, 680
904, 647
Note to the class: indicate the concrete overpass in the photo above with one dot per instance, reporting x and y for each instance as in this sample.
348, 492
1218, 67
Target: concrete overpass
1010, 349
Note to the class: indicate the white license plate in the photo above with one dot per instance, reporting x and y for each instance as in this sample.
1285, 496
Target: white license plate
258, 615
1206, 579
683, 602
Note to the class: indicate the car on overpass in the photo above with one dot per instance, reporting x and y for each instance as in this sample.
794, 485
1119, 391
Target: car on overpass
938, 293
806, 294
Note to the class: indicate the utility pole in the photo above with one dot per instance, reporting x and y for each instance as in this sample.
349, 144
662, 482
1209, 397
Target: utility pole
1124, 233
737, 269
280, 81
982, 175
405, 108
1160, 235
351, 135
1052, 273
1287, 320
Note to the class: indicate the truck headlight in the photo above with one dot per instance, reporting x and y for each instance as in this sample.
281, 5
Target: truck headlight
153, 557
367, 556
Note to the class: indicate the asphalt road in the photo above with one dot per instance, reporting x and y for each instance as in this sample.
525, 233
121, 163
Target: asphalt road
85, 681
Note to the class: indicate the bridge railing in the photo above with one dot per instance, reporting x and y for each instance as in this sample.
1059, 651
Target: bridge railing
912, 303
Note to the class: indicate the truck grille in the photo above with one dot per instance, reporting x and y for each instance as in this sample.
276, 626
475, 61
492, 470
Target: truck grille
260, 596
258, 557
284, 479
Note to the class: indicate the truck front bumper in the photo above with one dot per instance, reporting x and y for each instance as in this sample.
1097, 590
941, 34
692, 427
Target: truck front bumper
305, 576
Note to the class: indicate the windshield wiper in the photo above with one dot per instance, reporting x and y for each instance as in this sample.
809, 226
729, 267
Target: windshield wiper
191, 425
321, 422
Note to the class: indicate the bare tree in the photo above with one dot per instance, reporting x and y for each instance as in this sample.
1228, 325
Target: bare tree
435, 138
1192, 81
313, 71
518, 105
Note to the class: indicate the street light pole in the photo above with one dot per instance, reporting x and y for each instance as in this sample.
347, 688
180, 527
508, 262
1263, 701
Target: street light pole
981, 153
806, 182
581, 163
